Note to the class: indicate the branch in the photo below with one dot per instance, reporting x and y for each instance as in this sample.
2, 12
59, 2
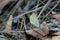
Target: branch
22, 14
44, 7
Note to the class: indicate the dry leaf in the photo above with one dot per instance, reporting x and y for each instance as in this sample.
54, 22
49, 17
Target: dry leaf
57, 16
3, 3
8, 26
36, 33
57, 33
56, 38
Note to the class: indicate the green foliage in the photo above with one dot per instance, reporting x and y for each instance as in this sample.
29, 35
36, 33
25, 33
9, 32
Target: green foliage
34, 20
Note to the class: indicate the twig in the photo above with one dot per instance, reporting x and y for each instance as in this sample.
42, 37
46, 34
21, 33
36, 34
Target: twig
8, 9
24, 14
44, 7
51, 10
15, 7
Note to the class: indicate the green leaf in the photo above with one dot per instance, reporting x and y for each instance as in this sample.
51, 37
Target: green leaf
34, 20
